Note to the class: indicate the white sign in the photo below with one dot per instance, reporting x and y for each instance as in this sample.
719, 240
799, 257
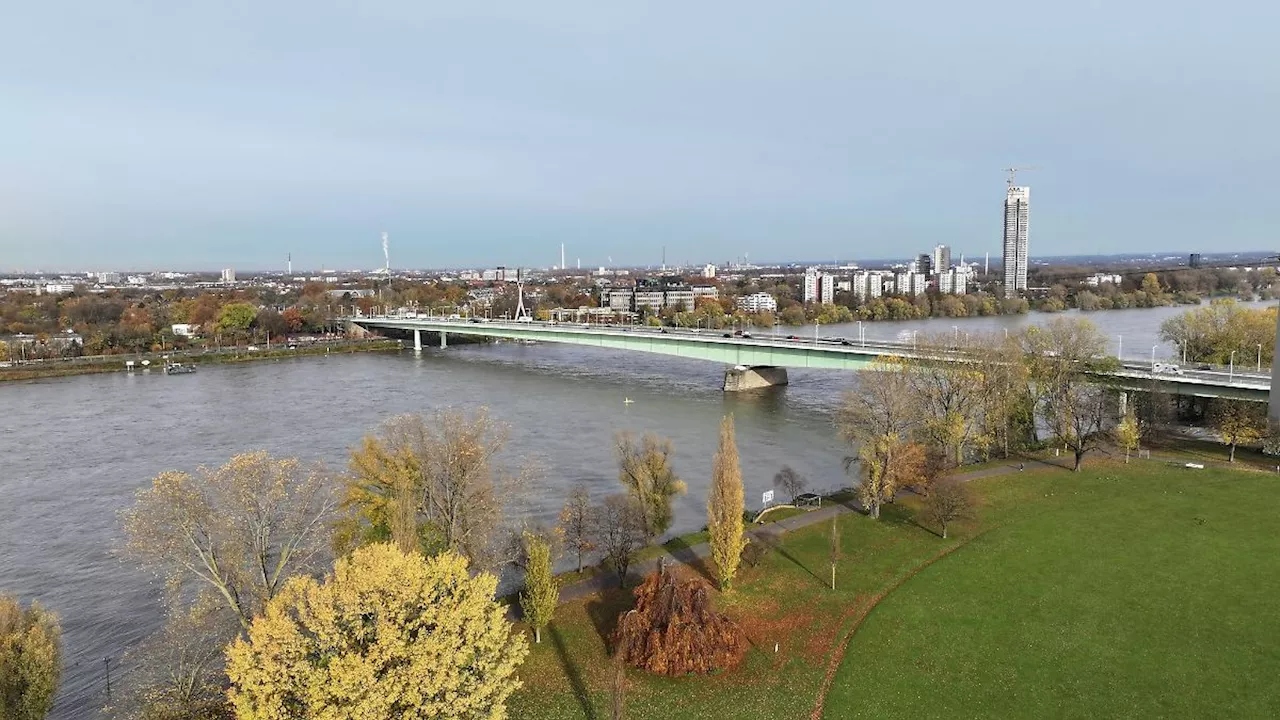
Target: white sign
768, 496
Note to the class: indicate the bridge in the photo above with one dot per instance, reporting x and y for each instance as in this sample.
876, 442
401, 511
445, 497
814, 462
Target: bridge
759, 360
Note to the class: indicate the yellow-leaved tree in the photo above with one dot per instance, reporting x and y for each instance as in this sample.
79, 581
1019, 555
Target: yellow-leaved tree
724, 507
386, 635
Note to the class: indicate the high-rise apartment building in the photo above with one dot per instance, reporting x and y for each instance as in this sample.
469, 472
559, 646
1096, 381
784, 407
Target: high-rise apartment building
941, 259
1016, 215
819, 287
228, 275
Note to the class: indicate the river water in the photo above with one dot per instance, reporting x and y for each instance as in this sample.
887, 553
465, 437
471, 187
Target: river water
76, 449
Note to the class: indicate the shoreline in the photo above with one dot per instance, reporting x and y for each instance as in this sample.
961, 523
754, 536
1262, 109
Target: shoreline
42, 369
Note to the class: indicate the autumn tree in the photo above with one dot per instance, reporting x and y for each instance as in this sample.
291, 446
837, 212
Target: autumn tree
385, 635
725, 504
236, 317
1007, 407
541, 591
575, 522
949, 398
644, 469
1067, 361
1211, 333
790, 482
876, 421
673, 629
1128, 434
620, 532
30, 660
1238, 423
948, 502
449, 463
241, 529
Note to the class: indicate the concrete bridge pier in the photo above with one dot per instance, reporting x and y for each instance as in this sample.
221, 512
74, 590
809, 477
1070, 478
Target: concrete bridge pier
753, 378
444, 340
417, 341
1122, 404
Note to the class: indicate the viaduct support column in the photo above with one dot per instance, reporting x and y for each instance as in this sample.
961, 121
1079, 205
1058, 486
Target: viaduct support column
417, 341
1123, 403
741, 377
444, 340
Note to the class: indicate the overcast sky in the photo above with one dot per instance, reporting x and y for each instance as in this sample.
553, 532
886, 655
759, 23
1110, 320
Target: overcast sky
159, 134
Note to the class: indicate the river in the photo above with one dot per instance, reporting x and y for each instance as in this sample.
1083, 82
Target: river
76, 449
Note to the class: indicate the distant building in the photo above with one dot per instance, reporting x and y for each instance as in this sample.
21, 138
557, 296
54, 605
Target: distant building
1100, 278
108, 278
709, 271
228, 275
757, 303
59, 289
136, 280
922, 264
819, 287
953, 282
183, 329
1017, 214
868, 284
1195, 260
940, 260
911, 283
656, 294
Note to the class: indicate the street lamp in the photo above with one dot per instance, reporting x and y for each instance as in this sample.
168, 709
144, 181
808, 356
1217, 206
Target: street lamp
861, 338
1259, 357
1153, 357
1120, 348
1231, 369
913, 339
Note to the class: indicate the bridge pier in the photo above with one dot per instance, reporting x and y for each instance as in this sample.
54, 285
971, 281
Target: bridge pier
444, 340
753, 378
1123, 404
417, 341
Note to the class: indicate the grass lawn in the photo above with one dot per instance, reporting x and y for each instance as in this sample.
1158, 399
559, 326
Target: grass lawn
1068, 595
1144, 591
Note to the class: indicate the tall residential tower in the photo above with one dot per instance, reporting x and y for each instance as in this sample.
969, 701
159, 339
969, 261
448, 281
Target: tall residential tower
1016, 210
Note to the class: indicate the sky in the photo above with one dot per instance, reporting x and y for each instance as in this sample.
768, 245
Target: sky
159, 135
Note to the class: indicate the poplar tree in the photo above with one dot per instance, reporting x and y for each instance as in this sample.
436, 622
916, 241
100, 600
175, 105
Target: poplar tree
30, 660
724, 507
541, 591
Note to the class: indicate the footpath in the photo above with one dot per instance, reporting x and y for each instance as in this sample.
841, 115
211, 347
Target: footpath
767, 534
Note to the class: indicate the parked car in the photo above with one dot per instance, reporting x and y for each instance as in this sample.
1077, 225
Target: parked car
728, 335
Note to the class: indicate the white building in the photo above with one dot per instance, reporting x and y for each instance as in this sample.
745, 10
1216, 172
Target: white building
108, 278
59, 289
709, 271
1100, 278
136, 280
911, 283
819, 287
228, 275
869, 284
953, 282
1017, 214
757, 303
941, 259
183, 329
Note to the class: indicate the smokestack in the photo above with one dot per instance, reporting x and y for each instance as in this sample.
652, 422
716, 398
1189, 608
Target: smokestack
562, 266
289, 263
386, 252
986, 264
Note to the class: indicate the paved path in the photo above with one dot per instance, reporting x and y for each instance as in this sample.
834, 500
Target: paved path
767, 534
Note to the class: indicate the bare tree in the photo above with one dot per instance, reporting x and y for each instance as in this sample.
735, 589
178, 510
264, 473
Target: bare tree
178, 672
450, 460
834, 552
241, 530
644, 468
950, 501
790, 482
575, 522
620, 532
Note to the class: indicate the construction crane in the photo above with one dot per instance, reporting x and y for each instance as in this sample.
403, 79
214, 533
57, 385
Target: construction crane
1013, 171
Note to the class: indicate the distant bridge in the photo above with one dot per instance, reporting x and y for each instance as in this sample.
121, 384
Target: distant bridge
760, 360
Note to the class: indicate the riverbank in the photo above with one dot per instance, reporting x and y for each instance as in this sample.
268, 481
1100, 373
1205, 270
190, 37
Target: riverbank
63, 367
818, 652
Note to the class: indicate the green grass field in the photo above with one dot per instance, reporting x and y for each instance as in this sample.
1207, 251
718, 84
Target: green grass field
1140, 590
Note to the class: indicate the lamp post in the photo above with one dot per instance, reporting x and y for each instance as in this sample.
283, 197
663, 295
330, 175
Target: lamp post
1120, 348
913, 339
1153, 357
1259, 357
1231, 369
861, 338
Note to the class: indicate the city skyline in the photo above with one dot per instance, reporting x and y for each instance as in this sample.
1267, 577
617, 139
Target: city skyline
230, 136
